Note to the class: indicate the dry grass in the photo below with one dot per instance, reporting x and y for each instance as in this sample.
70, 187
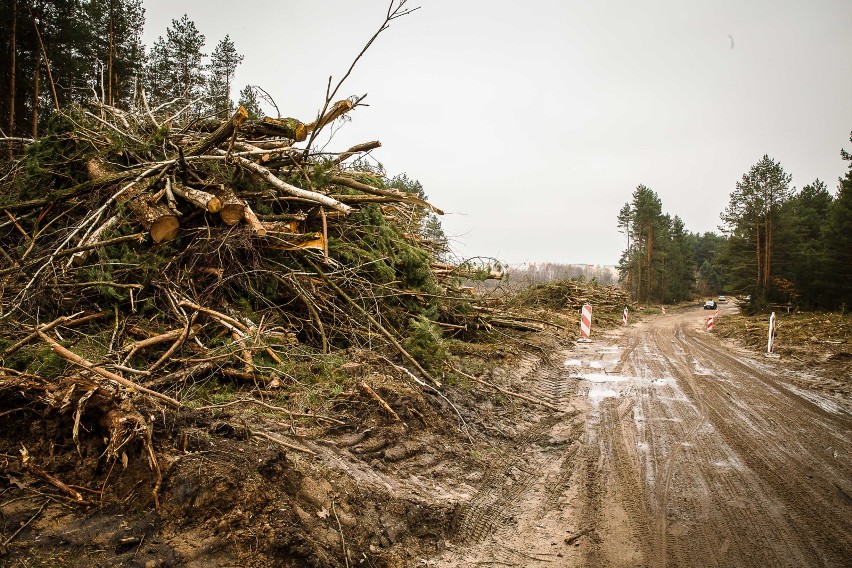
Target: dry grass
808, 336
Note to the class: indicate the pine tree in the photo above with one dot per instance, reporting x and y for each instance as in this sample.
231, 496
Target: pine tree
802, 229
175, 67
707, 249
158, 83
43, 60
248, 100
643, 261
116, 29
223, 64
680, 264
647, 226
838, 239
752, 213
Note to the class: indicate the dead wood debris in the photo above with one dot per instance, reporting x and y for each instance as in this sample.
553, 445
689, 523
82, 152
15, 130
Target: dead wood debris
141, 258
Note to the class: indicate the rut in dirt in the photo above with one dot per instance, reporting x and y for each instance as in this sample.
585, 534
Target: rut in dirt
722, 463
682, 452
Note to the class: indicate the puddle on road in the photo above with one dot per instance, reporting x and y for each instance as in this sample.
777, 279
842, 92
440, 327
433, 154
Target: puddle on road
591, 368
603, 385
594, 364
608, 385
604, 378
598, 392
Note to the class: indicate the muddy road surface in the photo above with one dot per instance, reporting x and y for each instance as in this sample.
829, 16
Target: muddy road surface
674, 449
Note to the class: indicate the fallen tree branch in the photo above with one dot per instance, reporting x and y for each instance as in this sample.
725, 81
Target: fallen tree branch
575, 537
65, 321
77, 360
277, 183
273, 408
220, 135
507, 392
27, 465
266, 436
372, 394
393, 193
357, 149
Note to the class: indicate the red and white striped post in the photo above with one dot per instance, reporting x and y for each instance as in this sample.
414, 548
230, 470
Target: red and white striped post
710, 322
771, 341
586, 322
624, 317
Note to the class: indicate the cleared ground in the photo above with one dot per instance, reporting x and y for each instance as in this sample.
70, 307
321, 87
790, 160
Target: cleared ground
674, 450
659, 445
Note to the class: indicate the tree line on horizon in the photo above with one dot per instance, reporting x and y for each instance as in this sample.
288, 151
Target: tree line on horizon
776, 245
55, 53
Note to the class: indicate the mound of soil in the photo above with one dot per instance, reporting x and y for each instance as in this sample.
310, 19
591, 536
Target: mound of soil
231, 495
287, 482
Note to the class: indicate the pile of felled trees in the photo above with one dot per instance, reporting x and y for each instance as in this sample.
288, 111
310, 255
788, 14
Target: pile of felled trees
140, 256
177, 237
569, 296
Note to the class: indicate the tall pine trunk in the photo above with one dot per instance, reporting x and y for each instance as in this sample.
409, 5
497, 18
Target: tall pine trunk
46, 60
110, 57
35, 97
759, 257
767, 252
639, 269
648, 260
13, 54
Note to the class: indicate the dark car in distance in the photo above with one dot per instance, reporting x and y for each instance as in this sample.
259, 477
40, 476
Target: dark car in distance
709, 305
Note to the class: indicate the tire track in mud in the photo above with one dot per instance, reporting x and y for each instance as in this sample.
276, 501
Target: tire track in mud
509, 475
700, 489
734, 506
552, 383
612, 499
801, 517
671, 359
685, 455
727, 496
705, 472
618, 442
526, 482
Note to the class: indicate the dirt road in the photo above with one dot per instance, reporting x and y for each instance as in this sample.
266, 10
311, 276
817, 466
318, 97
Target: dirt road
674, 450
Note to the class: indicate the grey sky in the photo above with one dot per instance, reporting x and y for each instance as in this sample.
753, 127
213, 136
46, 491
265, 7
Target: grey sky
531, 123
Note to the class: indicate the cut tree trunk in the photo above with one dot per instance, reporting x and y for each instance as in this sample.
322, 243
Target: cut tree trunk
337, 110
220, 135
392, 193
357, 149
290, 128
233, 209
254, 222
156, 217
197, 197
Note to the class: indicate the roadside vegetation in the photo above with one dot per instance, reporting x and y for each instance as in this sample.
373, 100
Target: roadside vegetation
812, 340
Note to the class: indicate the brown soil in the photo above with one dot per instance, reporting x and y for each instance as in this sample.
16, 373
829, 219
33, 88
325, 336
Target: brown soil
671, 448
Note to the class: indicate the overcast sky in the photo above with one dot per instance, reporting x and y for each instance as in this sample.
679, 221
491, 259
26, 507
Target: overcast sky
531, 123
